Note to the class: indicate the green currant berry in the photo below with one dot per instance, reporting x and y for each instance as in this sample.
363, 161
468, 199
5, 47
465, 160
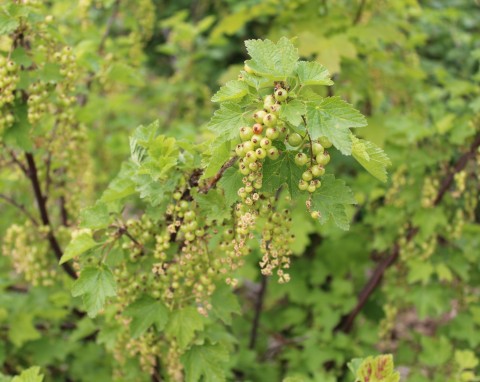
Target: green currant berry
281, 94
307, 176
11, 66
295, 139
189, 215
256, 140
275, 109
259, 115
270, 120
323, 159
250, 157
268, 101
252, 177
258, 127
325, 142
257, 184
177, 195
272, 133
266, 143
190, 236
261, 153
242, 193
183, 205
317, 148
248, 189
301, 159
239, 150
311, 188
273, 153
253, 166
248, 146
199, 232
317, 171
315, 214
246, 133
302, 185
317, 183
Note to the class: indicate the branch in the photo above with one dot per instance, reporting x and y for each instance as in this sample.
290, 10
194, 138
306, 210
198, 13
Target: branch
108, 27
219, 175
32, 174
347, 321
21, 207
258, 312
358, 15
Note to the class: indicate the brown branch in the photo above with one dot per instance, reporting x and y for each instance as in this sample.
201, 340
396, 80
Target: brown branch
258, 312
347, 321
108, 27
32, 174
358, 15
219, 175
21, 207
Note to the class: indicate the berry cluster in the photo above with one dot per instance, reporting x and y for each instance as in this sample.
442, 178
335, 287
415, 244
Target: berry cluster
316, 158
8, 83
37, 98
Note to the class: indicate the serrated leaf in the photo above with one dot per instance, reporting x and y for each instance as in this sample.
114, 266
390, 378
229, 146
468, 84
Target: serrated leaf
333, 117
30, 375
371, 157
22, 329
378, 368
256, 82
95, 217
224, 304
330, 200
213, 206
276, 61
313, 73
207, 361
145, 312
282, 171
78, 245
227, 121
122, 185
292, 112
220, 154
95, 284
162, 156
231, 182
8, 24
232, 90
183, 324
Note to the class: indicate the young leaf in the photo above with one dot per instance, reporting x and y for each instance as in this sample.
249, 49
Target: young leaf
95, 217
145, 312
332, 117
78, 245
95, 284
312, 73
227, 121
330, 200
373, 369
276, 61
182, 325
30, 375
205, 361
371, 157
233, 90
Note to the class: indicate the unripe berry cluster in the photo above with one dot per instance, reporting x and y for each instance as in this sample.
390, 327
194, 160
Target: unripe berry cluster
8, 83
315, 158
37, 101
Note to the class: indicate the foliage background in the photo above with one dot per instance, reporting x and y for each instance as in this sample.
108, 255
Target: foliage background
412, 67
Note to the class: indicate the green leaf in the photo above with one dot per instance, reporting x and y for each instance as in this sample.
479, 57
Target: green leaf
312, 73
371, 157
95, 217
22, 329
231, 182
276, 61
213, 206
220, 154
207, 361
231, 91
292, 112
281, 171
145, 312
78, 245
162, 156
182, 325
377, 369
122, 185
330, 200
8, 24
332, 117
95, 284
227, 121
30, 375
224, 304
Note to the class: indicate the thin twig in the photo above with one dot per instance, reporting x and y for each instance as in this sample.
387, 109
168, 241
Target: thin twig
21, 207
375, 279
258, 312
32, 174
358, 15
108, 27
219, 175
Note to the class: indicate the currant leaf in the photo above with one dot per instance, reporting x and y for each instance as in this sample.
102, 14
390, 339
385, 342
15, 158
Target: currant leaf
145, 312
313, 73
371, 157
205, 361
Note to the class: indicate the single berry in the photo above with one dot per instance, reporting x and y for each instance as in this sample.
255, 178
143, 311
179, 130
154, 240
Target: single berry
317, 171
275, 109
307, 176
295, 139
239, 150
258, 128
301, 159
281, 94
323, 159
268, 101
325, 142
261, 153
256, 140
248, 146
246, 133
250, 157
270, 120
317, 148
272, 133
311, 188
302, 185
253, 166
266, 143
273, 153
315, 215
